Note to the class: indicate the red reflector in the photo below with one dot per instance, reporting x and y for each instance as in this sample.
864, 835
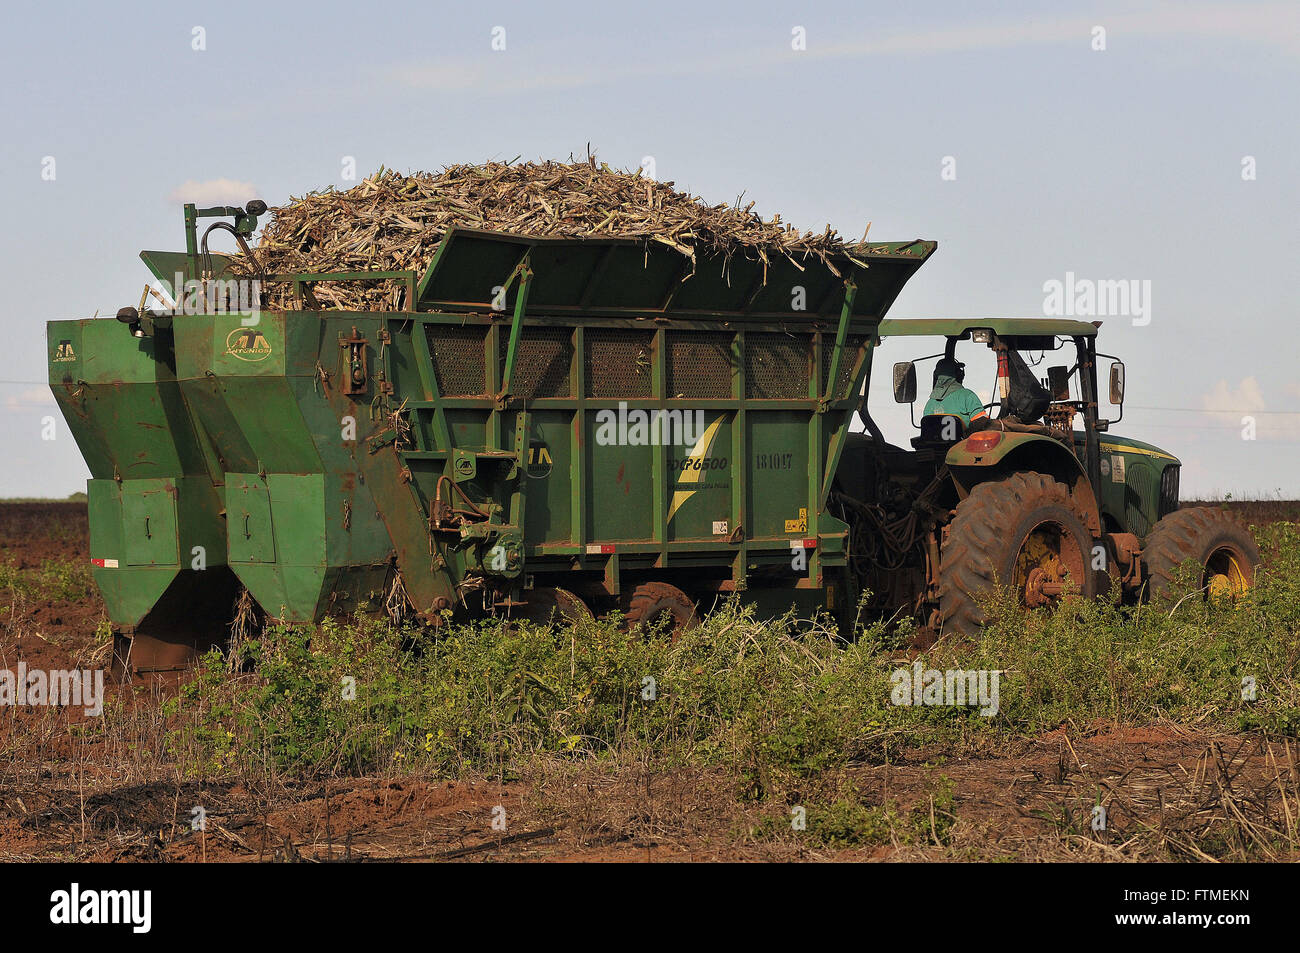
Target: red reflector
983, 441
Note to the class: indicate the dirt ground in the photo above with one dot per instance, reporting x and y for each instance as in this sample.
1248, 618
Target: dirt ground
48, 633
63, 797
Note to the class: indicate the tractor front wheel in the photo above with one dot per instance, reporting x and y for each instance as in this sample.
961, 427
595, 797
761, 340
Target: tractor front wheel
1026, 531
1219, 544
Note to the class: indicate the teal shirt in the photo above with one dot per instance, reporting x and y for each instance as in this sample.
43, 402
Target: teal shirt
949, 397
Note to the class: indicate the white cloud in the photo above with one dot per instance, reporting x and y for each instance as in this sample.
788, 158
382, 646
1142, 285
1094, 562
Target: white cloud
1224, 399
1270, 24
214, 192
32, 397
1263, 24
1229, 406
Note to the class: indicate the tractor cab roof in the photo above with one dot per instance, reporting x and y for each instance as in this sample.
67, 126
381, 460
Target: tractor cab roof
1002, 327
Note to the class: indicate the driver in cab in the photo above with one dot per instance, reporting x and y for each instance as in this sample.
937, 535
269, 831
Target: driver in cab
950, 397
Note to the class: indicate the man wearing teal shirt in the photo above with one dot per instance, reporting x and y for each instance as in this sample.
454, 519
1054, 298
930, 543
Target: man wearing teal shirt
950, 397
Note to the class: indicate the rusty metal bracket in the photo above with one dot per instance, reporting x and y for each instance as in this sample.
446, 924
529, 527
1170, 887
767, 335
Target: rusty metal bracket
380, 440
355, 371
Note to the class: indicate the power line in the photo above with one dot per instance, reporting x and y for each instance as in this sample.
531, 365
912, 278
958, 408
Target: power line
1217, 410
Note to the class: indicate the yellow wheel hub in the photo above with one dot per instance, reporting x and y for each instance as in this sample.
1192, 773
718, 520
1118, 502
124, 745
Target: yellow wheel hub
1224, 578
1040, 574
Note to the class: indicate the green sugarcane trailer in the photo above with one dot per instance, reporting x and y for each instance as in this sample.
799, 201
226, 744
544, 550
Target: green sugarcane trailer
548, 423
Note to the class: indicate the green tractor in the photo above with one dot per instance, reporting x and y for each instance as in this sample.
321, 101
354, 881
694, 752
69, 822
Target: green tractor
1028, 489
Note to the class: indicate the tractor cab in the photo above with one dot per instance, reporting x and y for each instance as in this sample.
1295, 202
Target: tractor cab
1004, 374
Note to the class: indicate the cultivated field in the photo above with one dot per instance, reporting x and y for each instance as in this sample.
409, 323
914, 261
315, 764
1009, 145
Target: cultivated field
519, 742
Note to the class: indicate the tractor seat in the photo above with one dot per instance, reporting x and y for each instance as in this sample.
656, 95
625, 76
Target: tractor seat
939, 431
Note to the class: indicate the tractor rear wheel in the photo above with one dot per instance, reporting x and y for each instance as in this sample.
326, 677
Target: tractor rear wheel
1026, 531
1214, 540
652, 602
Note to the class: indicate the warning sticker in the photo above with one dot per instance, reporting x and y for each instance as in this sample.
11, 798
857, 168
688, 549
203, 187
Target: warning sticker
801, 524
1117, 469
104, 563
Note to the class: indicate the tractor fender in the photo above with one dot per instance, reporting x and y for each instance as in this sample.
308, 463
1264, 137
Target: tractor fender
1022, 451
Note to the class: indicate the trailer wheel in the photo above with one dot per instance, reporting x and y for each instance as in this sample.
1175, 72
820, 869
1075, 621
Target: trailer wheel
548, 604
1214, 540
1025, 531
652, 602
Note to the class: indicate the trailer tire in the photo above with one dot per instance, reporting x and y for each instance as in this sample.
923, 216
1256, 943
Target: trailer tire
547, 604
1213, 539
651, 601
1027, 531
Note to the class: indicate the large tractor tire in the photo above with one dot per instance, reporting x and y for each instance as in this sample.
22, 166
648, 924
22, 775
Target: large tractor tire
652, 602
1026, 531
1215, 541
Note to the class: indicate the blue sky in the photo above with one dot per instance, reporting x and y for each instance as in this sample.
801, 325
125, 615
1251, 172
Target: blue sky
1117, 164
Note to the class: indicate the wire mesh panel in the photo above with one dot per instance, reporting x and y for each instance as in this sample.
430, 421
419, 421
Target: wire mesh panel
458, 359
777, 366
543, 364
620, 363
699, 364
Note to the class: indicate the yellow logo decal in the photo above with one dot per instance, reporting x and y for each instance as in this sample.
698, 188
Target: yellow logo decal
64, 352
693, 474
540, 463
1116, 448
248, 344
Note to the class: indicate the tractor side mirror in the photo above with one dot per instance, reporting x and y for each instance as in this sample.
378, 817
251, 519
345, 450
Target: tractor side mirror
1058, 382
904, 382
1117, 383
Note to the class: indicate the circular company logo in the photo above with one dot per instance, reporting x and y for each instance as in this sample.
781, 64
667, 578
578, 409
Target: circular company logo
540, 463
248, 344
